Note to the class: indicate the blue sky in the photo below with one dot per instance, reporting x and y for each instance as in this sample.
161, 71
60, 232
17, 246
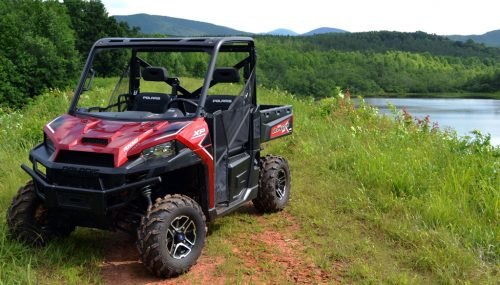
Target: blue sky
443, 17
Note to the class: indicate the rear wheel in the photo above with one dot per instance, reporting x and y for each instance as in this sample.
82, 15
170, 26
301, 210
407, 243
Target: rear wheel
29, 221
171, 235
274, 184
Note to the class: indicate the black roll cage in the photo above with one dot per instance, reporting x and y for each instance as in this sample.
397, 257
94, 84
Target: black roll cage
213, 46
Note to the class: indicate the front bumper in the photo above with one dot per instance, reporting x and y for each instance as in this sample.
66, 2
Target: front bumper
83, 199
93, 189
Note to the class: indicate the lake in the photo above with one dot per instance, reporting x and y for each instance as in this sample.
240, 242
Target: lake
463, 115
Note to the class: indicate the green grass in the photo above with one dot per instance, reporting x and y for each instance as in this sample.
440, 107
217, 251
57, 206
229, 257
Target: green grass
395, 202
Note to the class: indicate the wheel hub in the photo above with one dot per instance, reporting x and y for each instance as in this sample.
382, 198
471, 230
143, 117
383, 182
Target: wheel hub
281, 185
181, 237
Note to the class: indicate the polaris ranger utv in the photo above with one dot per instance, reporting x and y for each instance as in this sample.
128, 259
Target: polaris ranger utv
155, 156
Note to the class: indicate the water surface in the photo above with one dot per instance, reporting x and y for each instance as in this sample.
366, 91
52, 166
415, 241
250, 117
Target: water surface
463, 115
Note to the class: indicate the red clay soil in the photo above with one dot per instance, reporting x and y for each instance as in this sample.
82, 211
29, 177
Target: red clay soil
122, 265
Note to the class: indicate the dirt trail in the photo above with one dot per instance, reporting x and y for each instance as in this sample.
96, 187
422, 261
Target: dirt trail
279, 253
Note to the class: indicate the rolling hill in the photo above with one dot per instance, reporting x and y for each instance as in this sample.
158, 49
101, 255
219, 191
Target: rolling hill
164, 25
153, 24
324, 30
282, 32
489, 39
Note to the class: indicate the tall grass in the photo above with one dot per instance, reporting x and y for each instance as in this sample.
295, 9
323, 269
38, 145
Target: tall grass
381, 193
385, 199
72, 261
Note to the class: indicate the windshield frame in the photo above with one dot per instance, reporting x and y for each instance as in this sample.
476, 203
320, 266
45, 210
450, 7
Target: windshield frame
212, 46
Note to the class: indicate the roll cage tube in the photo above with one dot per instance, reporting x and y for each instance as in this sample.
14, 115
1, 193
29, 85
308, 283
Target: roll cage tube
212, 45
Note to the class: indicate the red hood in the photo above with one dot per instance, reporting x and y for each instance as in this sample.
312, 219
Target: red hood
120, 138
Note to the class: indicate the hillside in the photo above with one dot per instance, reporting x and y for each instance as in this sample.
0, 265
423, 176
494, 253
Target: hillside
418, 42
282, 32
323, 30
374, 201
377, 63
489, 39
164, 25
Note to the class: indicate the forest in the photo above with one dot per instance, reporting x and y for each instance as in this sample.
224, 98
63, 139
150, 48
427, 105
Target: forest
46, 42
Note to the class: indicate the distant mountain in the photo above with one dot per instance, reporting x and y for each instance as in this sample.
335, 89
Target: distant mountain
152, 24
489, 39
282, 32
323, 30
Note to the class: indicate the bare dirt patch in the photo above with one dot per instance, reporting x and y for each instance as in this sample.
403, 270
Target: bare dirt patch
273, 255
288, 253
122, 266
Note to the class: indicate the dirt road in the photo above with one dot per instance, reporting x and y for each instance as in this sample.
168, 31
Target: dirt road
270, 256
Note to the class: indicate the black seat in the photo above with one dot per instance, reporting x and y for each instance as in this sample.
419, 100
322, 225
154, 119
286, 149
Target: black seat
154, 73
218, 102
226, 75
151, 102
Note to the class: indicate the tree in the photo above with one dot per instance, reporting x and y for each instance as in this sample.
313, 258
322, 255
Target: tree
37, 50
90, 21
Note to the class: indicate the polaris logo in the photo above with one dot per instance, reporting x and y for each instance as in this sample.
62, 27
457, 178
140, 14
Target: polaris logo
151, 98
222, 101
80, 171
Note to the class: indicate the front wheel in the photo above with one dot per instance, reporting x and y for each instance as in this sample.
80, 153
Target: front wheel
29, 221
171, 235
274, 184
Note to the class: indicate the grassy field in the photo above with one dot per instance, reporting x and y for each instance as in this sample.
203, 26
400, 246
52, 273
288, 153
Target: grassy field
391, 199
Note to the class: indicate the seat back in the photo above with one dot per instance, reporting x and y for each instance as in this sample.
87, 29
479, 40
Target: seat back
154, 73
226, 75
151, 102
218, 102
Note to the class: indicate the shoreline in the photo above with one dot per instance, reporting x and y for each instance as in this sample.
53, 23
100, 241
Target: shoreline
443, 95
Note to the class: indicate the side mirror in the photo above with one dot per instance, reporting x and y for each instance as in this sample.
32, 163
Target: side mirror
88, 80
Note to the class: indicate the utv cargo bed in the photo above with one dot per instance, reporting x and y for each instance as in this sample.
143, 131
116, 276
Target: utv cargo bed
276, 121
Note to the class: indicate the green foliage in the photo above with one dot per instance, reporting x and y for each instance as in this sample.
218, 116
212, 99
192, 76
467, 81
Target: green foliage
43, 43
487, 82
389, 199
376, 63
90, 21
395, 199
383, 41
37, 50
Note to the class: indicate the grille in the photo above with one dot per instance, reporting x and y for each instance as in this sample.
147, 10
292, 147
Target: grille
71, 177
86, 158
98, 141
63, 178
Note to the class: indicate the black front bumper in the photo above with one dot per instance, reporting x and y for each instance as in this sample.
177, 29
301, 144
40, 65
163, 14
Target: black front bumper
97, 190
96, 201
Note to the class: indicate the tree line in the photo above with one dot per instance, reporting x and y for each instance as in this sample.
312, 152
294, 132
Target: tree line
377, 63
44, 44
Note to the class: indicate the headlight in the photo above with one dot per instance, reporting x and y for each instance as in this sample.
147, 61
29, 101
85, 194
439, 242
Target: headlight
48, 143
41, 168
159, 151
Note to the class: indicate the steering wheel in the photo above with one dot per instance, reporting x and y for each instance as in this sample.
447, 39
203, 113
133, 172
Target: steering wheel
183, 100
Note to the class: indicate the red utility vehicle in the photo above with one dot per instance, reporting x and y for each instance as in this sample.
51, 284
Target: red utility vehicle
153, 156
